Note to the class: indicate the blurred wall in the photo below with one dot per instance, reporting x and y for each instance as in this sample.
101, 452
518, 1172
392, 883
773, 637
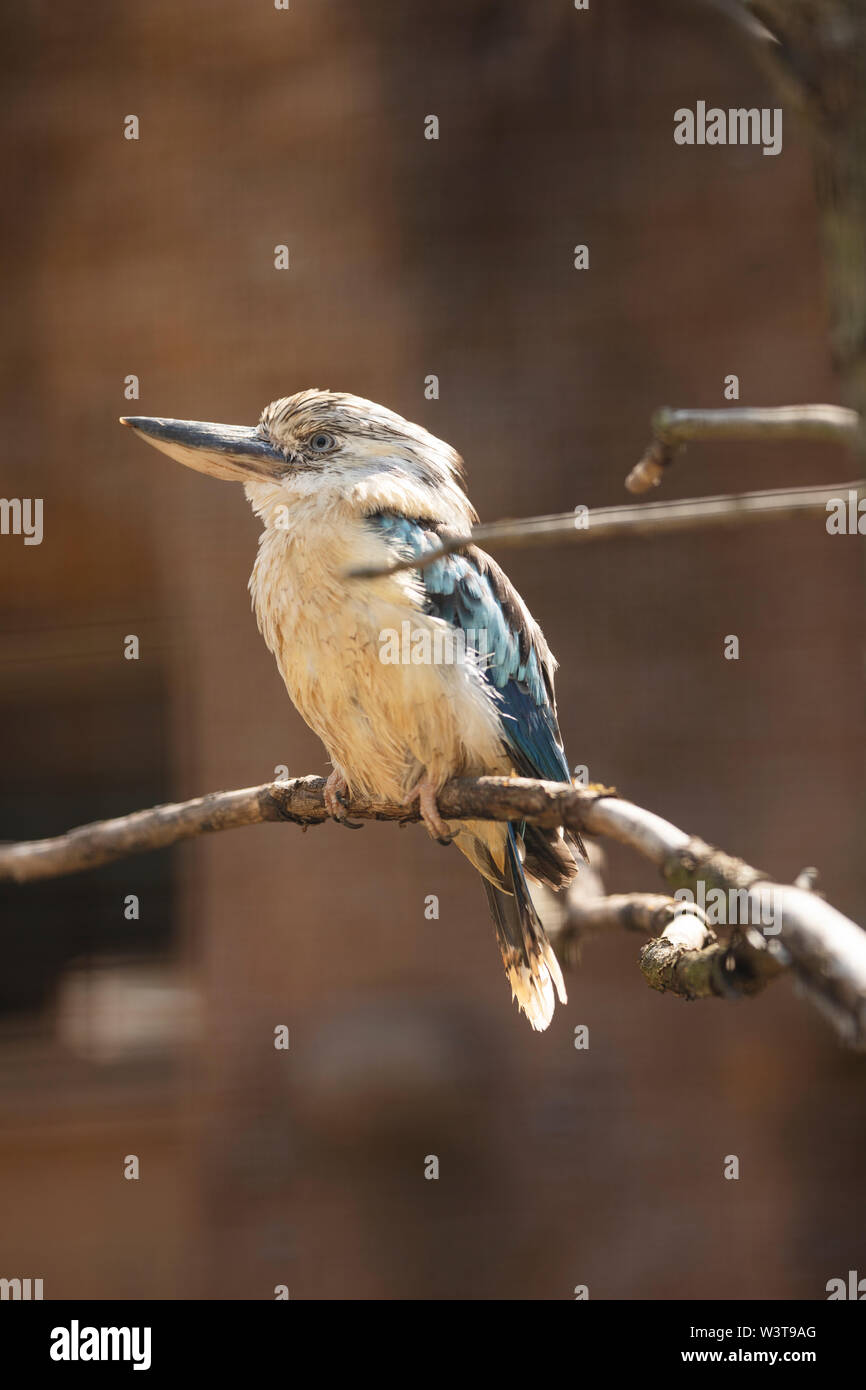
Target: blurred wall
408, 257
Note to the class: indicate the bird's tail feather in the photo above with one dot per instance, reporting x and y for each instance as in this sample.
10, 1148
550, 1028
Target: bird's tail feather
550, 856
530, 964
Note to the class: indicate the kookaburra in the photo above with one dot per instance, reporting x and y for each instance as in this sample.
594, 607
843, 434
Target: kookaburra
340, 485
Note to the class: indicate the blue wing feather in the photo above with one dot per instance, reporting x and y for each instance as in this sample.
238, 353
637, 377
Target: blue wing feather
467, 591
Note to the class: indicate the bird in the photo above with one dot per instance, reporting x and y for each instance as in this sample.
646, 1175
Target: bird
342, 487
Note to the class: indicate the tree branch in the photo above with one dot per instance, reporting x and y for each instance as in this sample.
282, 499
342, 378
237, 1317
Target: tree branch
673, 429
638, 519
826, 951
685, 958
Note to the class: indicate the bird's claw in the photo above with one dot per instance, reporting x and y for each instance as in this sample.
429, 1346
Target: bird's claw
335, 796
349, 824
425, 795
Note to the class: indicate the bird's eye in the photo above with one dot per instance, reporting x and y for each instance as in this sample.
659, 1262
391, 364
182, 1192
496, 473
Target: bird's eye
321, 442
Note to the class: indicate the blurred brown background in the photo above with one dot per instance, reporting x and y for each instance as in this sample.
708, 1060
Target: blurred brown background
408, 257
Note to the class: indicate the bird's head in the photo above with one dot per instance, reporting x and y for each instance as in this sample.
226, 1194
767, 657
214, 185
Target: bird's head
325, 446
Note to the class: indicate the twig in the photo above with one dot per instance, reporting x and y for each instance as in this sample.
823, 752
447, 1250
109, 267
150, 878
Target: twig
638, 519
685, 957
826, 951
588, 915
673, 429
678, 962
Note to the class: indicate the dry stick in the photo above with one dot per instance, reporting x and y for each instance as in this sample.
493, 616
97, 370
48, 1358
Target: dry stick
685, 957
673, 429
826, 951
693, 966
638, 519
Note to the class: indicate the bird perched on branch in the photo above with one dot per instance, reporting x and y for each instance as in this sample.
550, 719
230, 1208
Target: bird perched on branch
340, 485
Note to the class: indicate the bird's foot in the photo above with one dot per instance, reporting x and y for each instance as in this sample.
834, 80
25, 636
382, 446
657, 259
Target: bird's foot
336, 794
425, 795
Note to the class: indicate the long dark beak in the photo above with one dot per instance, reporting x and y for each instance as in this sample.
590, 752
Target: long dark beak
235, 453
